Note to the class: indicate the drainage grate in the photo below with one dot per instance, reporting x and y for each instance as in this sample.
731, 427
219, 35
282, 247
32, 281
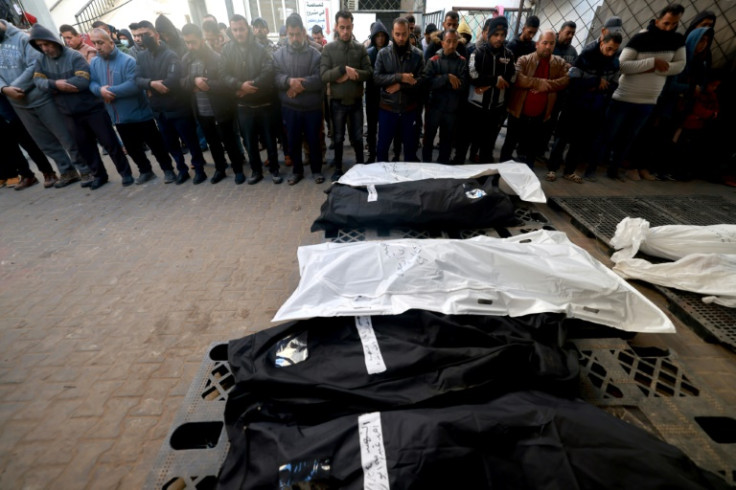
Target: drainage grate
598, 217
714, 323
196, 445
652, 388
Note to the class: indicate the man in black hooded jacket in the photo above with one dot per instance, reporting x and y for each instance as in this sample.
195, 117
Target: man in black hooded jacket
159, 73
379, 40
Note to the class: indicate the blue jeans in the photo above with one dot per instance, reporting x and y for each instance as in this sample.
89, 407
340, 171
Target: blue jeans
184, 127
352, 115
255, 121
388, 123
624, 121
306, 123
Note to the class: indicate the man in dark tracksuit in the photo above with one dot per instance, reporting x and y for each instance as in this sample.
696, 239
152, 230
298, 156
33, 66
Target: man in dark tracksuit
159, 73
446, 75
300, 89
492, 72
211, 104
246, 69
64, 74
399, 69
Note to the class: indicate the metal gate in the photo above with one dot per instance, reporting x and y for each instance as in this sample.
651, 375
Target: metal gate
475, 18
589, 15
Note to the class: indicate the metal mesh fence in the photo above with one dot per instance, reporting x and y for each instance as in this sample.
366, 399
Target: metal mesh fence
435, 18
475, 18
590, 15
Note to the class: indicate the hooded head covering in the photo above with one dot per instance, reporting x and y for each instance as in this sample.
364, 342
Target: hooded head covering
377, 28
40, 33
259, 22
705, 14
126, 33
697, 69
464, 28
495, 23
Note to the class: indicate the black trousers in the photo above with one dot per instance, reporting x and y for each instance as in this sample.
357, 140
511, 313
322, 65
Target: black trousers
87, 129
221, 138
20, 135
135, 134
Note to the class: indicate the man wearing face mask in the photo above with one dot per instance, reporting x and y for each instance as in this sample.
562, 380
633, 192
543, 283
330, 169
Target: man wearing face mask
211, 104
159, 74
300, 89
399, 69
492, 72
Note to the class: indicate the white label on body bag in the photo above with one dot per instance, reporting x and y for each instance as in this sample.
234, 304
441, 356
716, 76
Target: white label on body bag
371, 350
372, 452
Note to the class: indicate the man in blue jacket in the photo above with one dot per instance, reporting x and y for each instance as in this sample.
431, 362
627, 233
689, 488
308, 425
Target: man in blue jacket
298, 81
113, 80
159, 73
399, 68
64, 74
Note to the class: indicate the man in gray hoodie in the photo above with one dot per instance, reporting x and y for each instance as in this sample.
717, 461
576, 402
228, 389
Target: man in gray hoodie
64, 73
35, 108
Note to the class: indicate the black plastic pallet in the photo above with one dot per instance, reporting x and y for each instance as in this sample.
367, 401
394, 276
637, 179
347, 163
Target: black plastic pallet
647, 387
702, 317
651, 388
196, 445
598, 217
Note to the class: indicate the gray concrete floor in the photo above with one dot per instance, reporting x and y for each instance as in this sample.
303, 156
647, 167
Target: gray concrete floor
110, 298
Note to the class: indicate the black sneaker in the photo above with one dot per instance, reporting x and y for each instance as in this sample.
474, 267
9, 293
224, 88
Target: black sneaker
336, 176
318, 178
169, 176
219, 175
239, 178
144, 177
276, 178
183, 177
255, 178
295, 179
128, 180
199, 177
98, 182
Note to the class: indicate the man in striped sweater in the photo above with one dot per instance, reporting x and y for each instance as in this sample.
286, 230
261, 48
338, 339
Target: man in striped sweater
647, 60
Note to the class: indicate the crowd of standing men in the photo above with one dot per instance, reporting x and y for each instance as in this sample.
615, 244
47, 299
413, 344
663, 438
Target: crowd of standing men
227, 86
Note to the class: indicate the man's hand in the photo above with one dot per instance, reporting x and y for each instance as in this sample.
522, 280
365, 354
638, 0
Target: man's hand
392, 89
542, 86
408, 78
603, 85
661, 65
342, 79
454, 81
248, 88
351, 72
64, 86
201, 84
502, 84
107, 96
159, 87
296, 86
481, 90
14, 92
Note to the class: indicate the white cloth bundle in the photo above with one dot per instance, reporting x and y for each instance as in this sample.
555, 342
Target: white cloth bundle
534, 273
